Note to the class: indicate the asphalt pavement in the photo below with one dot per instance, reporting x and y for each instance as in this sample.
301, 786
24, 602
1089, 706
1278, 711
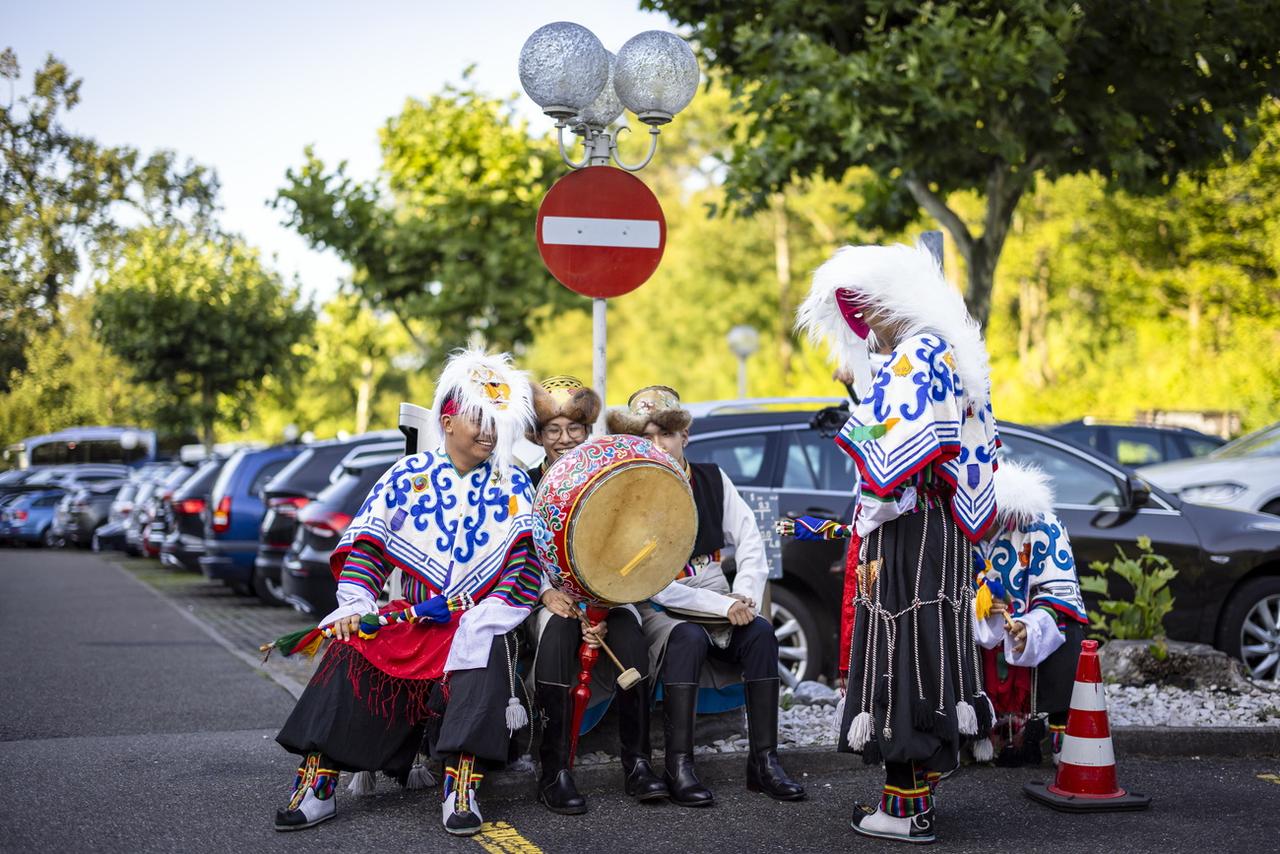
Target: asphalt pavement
124, 726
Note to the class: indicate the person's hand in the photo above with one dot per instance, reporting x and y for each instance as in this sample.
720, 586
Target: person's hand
740, 614
745, 599
594, 635
345, 627
998, 607
1018, 630
559, 603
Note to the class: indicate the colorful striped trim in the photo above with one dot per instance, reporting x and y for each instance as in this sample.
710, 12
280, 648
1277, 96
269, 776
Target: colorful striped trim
904, 803
521, 577
365, 567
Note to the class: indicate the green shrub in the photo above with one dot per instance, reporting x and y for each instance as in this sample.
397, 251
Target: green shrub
1149, 575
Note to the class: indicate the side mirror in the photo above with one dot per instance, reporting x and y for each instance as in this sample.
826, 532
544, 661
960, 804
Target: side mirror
1138, 492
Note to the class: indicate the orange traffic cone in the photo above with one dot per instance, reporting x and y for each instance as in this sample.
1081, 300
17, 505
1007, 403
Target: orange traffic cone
1086, 779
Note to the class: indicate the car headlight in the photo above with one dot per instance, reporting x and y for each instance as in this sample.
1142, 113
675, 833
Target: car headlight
1211, 493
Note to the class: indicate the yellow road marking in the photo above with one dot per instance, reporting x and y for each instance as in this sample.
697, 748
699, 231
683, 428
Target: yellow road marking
1270, 778
498, 837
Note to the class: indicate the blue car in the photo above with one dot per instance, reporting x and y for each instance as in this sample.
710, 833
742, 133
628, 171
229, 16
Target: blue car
28, 518
234, 514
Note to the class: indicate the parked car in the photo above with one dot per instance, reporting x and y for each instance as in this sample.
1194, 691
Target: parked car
112, 534
1228, 561
1243, 474
307, 583
234, 514
88, 508
1139, 444
139, 519
289, 491
71, 476
184, 523
158, 509
27, 519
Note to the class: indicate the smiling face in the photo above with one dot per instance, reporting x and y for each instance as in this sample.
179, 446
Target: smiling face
671, 441
465, 442
560, 435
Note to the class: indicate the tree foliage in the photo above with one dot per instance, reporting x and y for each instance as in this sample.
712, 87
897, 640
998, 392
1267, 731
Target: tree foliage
445, 239
62, 195
940, 97
201, 321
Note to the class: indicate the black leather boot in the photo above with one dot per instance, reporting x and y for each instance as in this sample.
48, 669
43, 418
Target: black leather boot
556, 789
764, 772
633, 733
679, 703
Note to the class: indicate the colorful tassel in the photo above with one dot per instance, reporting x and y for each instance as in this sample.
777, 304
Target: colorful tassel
303, 642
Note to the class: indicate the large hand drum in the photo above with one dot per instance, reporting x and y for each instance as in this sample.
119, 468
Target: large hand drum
614, 520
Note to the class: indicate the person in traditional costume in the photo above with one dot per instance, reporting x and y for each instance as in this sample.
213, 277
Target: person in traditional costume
924, 441
686, 654
565, 409
1031, 618
456, 521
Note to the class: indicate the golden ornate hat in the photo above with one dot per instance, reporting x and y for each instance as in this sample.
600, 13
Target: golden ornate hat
565, 396
655, 404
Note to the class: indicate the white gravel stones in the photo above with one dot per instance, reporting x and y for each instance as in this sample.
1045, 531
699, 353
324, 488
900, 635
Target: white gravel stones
1155, 705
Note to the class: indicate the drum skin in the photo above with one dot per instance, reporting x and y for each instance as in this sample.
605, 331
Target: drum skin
614, 520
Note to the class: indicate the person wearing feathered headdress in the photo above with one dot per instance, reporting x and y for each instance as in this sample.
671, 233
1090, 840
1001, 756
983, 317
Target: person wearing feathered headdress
456, 520
923, 440
1031, 617
565, 409
686, 653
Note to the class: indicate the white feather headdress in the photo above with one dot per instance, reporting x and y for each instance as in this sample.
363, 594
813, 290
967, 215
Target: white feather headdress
906, 284
1023, 493
486, 387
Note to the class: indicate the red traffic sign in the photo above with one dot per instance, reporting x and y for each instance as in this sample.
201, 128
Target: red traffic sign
601, 231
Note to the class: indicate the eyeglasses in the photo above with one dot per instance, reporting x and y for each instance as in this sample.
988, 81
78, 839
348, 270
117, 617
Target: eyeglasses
574, 431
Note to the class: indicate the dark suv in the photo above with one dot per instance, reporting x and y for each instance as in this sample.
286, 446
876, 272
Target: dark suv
308, 584
184, 517
786, 464
296, 485
1138, 444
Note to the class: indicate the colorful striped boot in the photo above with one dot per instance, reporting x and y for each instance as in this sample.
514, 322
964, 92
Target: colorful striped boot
313, 798
459, 809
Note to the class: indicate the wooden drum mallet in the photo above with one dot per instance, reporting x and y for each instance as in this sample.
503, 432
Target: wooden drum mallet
628, 677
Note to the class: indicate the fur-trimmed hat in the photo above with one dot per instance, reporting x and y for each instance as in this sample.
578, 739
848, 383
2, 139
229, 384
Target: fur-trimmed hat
1023, 494
905, 285
655, 404
485, 387
564, 396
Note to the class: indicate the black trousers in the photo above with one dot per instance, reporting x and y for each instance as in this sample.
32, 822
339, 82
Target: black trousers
753, 647
475, 713
557, 662
1056, 675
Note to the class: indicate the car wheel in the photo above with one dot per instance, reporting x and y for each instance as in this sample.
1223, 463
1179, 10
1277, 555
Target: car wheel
1251, 627
799, 640
48, 539
270, 592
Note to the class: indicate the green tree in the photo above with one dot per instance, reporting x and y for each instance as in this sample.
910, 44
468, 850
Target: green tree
71, 378
202, 321
445, 240
941, 97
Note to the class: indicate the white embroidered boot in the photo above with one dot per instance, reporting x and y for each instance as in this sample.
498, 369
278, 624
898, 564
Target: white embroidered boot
314, 798
459, 809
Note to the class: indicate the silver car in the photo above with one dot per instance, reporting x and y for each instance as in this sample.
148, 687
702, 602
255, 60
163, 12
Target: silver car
1243, 474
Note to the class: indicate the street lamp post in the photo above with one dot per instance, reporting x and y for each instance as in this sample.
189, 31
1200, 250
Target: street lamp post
569, 74
743, 341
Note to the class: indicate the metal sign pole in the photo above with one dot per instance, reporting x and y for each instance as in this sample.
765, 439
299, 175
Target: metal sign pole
599, 364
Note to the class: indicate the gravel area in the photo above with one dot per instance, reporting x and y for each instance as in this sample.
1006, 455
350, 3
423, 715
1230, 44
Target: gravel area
1153, 705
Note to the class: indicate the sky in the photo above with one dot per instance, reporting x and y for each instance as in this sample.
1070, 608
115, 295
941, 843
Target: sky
245, 86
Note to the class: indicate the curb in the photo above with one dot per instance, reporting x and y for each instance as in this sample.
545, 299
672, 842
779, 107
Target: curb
1191, 741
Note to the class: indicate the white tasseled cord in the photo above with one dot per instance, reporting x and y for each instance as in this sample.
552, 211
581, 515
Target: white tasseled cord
517, 717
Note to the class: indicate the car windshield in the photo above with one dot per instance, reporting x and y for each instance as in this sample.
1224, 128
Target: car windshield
1260, 443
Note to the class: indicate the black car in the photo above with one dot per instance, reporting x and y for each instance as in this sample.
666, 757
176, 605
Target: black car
158, 507
184, 517
292, 489
1227, 561
308, 584
88, 510
1138, 444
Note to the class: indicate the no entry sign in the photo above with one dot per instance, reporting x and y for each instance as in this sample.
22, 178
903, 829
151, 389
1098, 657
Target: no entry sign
601, 231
